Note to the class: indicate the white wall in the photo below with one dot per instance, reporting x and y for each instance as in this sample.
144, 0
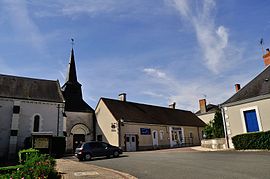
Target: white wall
28, 109
234, 120
6, 111
206, 118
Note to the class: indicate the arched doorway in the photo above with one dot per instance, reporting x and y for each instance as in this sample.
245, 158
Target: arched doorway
79, 131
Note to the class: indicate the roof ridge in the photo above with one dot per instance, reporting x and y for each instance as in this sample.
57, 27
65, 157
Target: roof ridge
30, 78
145, 104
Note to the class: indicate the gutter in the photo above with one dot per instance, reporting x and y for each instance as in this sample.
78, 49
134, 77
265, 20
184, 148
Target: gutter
225, 126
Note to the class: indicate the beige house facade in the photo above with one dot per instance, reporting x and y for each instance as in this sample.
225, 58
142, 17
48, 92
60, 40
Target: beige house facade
207, 111
134, 126
248, 109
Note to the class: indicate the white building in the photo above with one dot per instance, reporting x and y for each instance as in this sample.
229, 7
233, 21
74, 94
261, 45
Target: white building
28, 106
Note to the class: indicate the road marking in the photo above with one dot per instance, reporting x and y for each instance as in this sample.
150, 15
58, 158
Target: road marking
92, 173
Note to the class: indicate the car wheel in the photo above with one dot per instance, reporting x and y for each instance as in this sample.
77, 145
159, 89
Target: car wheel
80, 159
115, 153
87, 157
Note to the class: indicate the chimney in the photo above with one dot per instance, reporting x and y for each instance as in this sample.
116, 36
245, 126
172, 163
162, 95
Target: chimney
172, 106
237, 87
122, 97
266, 58
202, 103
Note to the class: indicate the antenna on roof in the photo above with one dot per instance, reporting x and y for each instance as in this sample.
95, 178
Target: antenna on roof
72, 42
261, 43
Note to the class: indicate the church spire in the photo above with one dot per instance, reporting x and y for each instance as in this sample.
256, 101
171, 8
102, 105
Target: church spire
72, 75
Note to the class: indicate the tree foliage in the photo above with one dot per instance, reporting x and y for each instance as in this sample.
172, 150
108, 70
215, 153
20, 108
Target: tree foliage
214, 128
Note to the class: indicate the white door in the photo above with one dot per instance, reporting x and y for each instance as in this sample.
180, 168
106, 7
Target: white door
155, 138
130, 142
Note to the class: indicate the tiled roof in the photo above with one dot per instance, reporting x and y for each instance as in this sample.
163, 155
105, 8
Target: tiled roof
30, 89
259, 86
149, 114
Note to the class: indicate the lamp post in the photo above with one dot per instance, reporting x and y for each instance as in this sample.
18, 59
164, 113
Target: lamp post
120, 123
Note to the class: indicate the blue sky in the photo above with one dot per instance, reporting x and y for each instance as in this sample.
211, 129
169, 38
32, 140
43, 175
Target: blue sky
156, 51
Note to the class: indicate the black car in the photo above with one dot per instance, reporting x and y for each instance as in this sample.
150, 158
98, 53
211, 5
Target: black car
87, 150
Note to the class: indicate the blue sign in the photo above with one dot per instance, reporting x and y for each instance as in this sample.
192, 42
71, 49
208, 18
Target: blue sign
145, 131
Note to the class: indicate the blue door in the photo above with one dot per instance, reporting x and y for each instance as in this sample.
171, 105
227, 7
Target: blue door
251, 121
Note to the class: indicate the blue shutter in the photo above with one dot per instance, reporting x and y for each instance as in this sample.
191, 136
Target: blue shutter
251, 121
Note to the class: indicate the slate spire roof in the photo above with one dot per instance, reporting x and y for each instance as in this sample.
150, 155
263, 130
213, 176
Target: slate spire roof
257, 87
72, 90
149, 114
72, 75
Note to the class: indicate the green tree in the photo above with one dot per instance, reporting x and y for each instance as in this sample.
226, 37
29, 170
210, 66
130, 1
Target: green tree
214, 128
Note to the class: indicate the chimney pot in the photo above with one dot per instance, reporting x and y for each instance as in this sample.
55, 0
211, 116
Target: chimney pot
266, 57
202, 103
122, 97
172, 106
237, 87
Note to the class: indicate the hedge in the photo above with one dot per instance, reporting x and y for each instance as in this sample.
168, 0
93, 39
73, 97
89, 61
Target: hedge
25, 154
36, 166
255, 140
9, 169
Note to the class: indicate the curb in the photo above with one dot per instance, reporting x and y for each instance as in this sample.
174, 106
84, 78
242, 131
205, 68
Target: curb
94, 169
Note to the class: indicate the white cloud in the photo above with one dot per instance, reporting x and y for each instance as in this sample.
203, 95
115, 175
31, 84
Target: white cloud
155, 72
213, 39
186, 93
23, 24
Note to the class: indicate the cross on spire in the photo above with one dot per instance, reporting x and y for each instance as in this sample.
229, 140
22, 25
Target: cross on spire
72, 42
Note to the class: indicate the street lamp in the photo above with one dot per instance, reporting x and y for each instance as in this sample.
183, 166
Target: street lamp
120, 123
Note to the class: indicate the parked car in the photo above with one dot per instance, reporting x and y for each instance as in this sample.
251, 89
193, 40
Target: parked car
87, 150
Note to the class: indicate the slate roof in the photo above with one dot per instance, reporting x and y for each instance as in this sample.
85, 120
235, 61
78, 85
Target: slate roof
259, 86
210, 108
149, 114
30, 89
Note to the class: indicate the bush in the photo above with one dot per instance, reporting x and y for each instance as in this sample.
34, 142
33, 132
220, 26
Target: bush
10, 169
25, 154
255, 140
36, 166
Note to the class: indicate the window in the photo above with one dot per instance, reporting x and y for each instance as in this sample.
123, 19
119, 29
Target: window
36, 123
251, 120
16, 109
13, 132
161, 133
191, 135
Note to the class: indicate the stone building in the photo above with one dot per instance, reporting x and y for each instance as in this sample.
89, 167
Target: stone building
80, 116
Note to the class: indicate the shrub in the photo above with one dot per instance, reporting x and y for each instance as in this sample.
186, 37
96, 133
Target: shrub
25, 154
255, 140
10, 169
36, 166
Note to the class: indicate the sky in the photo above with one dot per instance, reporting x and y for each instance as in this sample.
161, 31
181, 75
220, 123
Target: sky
156, 51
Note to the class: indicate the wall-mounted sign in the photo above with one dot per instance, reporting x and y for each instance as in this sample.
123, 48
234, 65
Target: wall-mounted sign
41, 143
145, 131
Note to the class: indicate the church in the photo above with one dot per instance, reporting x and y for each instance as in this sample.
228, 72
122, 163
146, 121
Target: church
80, 116
30, 106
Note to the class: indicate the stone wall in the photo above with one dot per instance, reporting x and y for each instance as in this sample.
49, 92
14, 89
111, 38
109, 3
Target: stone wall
214, 143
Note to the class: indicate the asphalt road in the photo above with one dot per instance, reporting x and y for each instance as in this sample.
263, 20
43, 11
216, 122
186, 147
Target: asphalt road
184, 163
